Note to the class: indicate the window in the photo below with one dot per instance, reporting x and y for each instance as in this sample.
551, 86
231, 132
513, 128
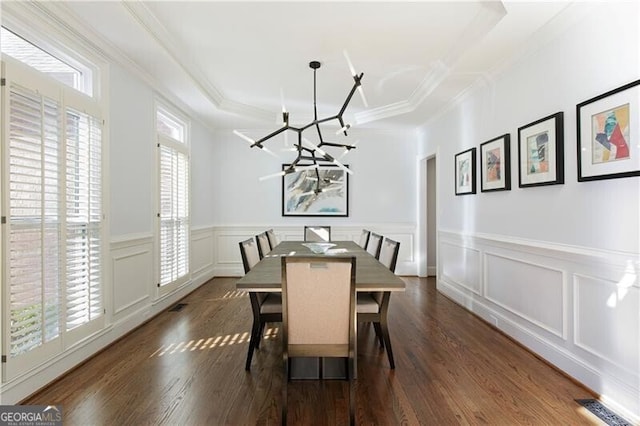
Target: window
173, 214
76, 76
54, 222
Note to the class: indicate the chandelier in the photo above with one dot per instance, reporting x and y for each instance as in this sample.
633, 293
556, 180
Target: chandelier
310, 155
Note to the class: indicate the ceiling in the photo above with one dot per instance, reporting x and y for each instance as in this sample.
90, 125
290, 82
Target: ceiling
235, 64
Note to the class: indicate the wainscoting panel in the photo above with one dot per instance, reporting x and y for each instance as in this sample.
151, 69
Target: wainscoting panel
461, 266
132, 275
606, 320
202, 251
531, 291
573, 306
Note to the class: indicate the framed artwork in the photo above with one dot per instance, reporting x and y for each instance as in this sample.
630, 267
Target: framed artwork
301, 198
541, 152
608, 134
495, 164
465, 172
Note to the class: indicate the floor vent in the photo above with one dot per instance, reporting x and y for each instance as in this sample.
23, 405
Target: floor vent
603, 413
178, 307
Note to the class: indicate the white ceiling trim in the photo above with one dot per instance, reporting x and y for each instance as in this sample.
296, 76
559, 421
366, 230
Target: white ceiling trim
568, 16
488, 17
150, 24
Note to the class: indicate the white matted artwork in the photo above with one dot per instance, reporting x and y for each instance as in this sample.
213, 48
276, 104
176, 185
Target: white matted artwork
316, 192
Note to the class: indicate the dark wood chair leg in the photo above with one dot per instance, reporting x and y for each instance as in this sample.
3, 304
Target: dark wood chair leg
351, 375
384, 308
285, 384
255, 329
260, 334
387, 343
376, 326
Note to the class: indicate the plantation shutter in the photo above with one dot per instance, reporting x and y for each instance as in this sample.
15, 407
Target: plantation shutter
83, 218
34, 220
52, 279
174, 212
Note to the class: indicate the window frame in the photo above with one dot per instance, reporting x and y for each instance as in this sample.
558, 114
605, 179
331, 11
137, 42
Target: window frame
92, 80
184, 147
70, 99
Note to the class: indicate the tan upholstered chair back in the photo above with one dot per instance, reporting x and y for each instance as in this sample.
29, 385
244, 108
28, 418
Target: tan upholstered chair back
364, 238
389, 253
318, 300
249, 253
263, 244
373, 246
273, 240
317, 233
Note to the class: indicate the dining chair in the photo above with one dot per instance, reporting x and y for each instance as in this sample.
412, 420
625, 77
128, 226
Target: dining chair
317, 233
266, 307
374, 244
318, 316
364, 238
373, 306
264, 247
273, 240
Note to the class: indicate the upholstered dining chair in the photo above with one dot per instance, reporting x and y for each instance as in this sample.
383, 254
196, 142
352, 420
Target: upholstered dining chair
264, 247
373, 306
317, 233
318, 316
273, 240
266, 307
364, 238
373, 244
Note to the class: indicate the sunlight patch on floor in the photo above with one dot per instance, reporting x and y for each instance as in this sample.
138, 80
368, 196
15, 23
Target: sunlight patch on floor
211, 343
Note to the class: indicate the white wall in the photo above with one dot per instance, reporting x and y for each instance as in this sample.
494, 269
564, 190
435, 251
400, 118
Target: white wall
203, 181
556, 267
131, 152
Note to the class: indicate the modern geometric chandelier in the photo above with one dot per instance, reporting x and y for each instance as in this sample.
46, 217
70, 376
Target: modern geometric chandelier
309, 155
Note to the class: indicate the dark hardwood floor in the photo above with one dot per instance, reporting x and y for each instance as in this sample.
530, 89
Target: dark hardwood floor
187, 368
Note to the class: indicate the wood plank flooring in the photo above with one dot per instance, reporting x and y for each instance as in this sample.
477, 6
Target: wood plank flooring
187, 368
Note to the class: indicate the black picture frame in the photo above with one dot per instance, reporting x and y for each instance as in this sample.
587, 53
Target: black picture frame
495, 164
541, 152
465, 172
608, 135
299, 197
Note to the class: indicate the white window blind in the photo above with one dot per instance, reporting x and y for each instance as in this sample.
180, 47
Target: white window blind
174, 216
34, 218
83, 218
54, 225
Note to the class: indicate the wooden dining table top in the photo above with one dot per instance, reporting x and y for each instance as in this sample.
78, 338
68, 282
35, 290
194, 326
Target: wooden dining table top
371, 275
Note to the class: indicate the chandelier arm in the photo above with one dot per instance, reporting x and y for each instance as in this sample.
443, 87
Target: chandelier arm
320, 138
293, 164
308, 158
259, 142
339, 145
315, 108
318, 190
343, 127
357, 83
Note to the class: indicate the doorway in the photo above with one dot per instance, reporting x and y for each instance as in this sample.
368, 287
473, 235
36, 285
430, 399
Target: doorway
427, 232
431, 216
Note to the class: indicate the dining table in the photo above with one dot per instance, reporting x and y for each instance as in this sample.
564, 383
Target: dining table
371, 276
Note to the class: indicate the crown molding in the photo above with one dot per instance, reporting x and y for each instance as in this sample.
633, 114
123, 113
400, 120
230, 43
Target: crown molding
154, 28
487, 18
